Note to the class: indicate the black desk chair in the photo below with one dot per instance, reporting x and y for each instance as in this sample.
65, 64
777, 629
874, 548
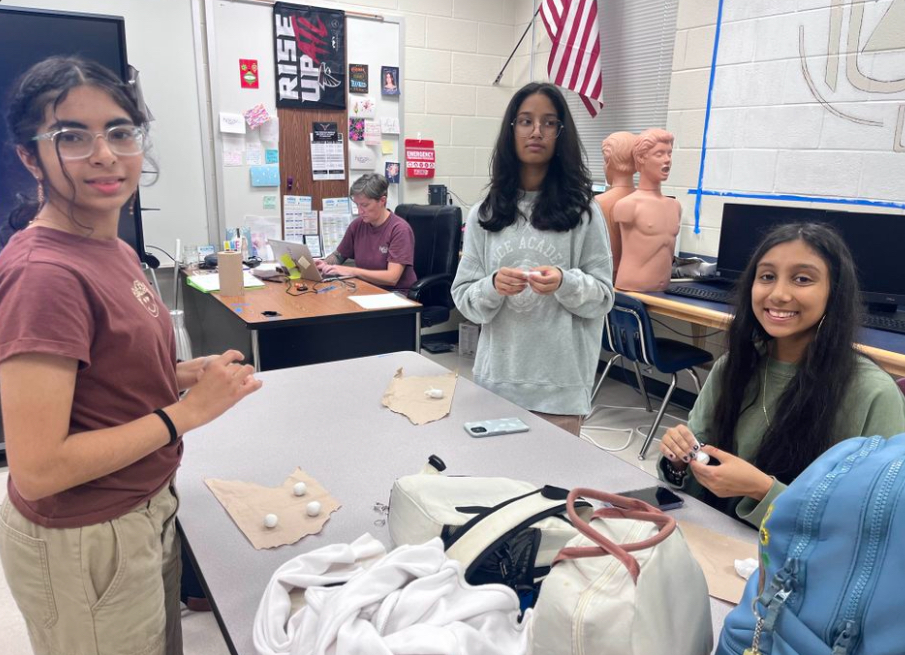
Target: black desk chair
438, 239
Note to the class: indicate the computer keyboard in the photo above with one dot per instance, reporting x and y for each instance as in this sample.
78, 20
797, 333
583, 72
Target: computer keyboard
700, 293
888, 323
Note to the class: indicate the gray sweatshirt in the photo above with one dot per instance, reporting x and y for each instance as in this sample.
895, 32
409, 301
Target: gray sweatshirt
539, 351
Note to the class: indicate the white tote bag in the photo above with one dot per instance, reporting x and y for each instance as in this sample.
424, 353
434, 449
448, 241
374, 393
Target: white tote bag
627, 585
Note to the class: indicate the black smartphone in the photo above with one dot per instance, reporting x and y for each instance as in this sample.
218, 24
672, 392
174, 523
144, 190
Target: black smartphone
659, 497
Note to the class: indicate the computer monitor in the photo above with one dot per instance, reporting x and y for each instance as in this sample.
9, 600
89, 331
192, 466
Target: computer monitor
874, 239
744, 227
26, 37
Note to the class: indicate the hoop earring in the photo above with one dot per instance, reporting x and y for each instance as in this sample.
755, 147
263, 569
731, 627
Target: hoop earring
820, 325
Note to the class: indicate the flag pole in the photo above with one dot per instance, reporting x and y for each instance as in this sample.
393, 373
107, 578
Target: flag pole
496, 82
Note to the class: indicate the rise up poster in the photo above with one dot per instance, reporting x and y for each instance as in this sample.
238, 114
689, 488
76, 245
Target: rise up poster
310, 55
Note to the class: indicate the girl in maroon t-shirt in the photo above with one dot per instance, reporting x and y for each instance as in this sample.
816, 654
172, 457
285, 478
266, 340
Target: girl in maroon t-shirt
89, 382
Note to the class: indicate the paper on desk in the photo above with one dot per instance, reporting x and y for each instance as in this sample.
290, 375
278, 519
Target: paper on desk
405, 395
381, 301
211, 282
716, 553
248, 504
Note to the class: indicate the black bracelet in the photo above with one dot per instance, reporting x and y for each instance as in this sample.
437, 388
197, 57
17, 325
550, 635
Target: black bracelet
674, 475
174, 435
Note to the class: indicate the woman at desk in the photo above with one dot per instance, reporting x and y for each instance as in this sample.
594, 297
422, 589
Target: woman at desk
381, 243
89, 381
536, 270
791, 384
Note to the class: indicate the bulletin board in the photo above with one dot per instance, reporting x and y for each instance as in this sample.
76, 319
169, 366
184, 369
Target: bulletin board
238, 30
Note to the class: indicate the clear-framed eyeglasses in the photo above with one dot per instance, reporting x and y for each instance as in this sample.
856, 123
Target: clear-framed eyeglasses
550, 128
76, 143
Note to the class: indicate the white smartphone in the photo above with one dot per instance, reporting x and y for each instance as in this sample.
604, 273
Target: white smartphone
495, 426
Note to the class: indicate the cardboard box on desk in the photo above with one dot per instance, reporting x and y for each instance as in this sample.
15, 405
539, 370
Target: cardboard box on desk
229, 265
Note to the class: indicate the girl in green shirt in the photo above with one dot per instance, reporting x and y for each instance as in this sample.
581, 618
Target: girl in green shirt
792, 383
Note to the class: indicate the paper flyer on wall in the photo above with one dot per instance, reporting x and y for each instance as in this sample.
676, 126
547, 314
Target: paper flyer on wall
337, 205
328, 159
298, 219
333, 227
298, 224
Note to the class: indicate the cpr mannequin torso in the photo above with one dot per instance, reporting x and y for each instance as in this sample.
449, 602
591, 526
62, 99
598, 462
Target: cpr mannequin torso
607, 202
619, 168
648, 222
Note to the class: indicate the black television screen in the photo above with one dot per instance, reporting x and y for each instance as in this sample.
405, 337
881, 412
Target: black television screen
744, 226
874, 239
26, 37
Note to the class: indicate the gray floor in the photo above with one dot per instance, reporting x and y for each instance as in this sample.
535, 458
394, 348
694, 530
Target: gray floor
200, 631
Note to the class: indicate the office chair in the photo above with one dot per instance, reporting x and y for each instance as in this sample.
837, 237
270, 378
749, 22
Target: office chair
628, 333
438, 239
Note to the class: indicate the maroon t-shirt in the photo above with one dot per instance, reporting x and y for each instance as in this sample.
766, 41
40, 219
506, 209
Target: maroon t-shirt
88, 299
375, 247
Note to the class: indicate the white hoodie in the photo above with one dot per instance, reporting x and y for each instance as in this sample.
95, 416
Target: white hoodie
413, 600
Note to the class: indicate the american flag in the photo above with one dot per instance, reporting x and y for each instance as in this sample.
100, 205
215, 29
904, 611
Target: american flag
575, 59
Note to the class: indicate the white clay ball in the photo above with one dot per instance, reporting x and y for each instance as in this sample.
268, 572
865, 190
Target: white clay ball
702, 457
300, 489
270, 521
434, 393
314, 508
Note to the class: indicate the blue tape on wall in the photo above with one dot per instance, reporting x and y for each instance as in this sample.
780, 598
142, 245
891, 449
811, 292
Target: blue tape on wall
793, 198
716, 49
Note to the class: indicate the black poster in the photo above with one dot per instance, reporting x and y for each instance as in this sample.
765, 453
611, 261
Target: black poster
358, 78
310, 54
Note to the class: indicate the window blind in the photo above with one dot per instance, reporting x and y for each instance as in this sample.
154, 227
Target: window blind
636, 46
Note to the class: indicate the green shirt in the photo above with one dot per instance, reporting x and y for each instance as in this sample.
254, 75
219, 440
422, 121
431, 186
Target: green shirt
873, 405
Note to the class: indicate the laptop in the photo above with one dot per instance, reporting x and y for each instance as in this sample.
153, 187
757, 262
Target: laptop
300, 255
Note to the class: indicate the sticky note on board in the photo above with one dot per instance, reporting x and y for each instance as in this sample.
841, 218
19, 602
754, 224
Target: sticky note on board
270, 202
386, 147
266, 175
232, 123
272, 156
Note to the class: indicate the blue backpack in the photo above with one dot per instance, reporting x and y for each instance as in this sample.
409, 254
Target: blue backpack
832, 560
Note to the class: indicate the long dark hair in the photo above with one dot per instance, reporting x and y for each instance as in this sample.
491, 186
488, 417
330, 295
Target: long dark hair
566, 190
48, 83
802, 426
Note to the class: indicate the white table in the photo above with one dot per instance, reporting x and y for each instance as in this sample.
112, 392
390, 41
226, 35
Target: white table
327, 419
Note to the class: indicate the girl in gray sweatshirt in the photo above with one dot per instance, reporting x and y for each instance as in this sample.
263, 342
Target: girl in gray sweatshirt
536, 269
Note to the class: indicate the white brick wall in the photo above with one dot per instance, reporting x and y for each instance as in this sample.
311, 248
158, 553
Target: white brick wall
768, 133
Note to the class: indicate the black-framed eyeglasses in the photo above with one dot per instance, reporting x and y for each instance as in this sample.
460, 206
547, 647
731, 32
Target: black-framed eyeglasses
549, 127
76, 143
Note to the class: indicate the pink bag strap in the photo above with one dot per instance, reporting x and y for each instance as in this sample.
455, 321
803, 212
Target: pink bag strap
622, 508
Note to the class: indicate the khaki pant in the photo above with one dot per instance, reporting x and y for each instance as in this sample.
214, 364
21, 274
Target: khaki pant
105, 589
568, 422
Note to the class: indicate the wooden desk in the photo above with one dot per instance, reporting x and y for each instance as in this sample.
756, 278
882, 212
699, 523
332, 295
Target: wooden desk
328, 420
308, 329
885, 348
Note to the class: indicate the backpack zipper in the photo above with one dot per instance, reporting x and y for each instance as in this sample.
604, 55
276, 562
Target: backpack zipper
784, 582
876, 526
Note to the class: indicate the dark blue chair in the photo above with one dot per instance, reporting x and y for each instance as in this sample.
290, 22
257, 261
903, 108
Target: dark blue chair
628, 333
